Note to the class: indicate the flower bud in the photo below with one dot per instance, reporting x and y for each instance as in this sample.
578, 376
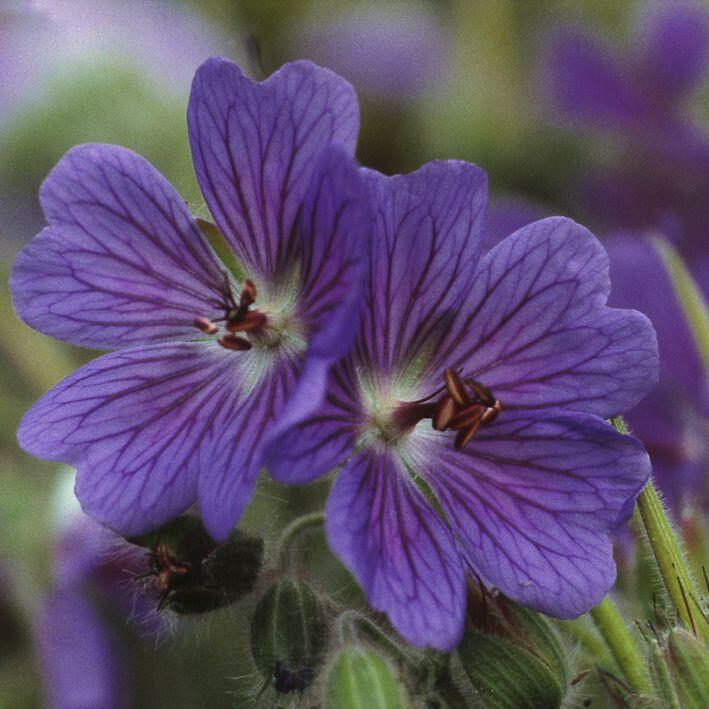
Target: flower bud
288, 635
360, 677
689, 661
534, 631
507, 676
191, 573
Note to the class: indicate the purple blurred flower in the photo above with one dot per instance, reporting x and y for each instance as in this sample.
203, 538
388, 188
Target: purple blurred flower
203, 366
673, 421
80, 653
393, 52
165, 39
660, 175
532, 359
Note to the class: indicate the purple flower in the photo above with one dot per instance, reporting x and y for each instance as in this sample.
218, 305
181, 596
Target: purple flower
80, 653
469, 414
659, 175
391, 53
672, 422
203, 363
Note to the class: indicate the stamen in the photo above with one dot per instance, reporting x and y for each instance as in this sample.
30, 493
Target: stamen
464, 407
232, 342
205, 325
251, 320
444, 413
455, 387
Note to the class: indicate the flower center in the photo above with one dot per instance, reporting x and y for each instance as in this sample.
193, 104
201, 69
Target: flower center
239, 320
463, 406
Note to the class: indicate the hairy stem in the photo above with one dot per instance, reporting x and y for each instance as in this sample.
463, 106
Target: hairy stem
621, 643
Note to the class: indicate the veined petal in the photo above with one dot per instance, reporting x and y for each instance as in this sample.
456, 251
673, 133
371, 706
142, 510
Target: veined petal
255, 146
398, 550
535, 329
333, 236
427, 239
231, 456
142, 424
122, 261
532, 500
317, 430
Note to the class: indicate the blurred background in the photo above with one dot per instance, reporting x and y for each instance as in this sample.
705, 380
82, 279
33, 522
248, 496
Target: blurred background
596, 110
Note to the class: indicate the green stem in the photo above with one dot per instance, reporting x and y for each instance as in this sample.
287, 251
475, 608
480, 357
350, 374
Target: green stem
621, 643
293, 530
668, 554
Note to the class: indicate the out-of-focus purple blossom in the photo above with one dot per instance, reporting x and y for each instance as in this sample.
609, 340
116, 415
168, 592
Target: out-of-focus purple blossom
638, 100
204, 360
79, 648
673, 421
392, 52
516, 359
39, 37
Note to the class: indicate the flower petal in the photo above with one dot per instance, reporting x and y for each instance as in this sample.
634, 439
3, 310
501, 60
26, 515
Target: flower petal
333, 236
534, 327
141, 425
231, 457
80, 660
122, 262
255, 146
532, 500
427, 238
398, 550
587, 84
317, 430
675, 47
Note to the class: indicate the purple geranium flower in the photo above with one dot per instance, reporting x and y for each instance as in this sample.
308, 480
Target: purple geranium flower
673, 421
80, 653
659, 175
203, 364
469, 414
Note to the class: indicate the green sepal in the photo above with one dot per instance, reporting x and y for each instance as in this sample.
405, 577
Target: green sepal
688, 658
288, 627
218, 574
360, 678
507, 676
536, 633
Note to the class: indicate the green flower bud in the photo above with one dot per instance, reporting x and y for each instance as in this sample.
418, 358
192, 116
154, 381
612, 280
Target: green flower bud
360, 677
191, 573
536, 633
507, 676
689, 661
288, 635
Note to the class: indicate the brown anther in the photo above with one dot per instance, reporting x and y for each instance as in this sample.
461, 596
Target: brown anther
455, 387
467, 417
205, 325
248, 294
232, 342
251, 320
466, 435
464, 409
445, 410
491, 412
